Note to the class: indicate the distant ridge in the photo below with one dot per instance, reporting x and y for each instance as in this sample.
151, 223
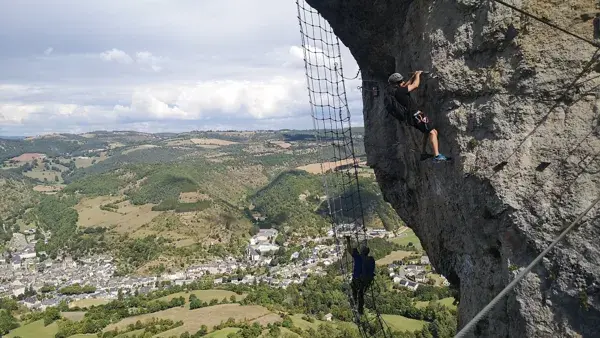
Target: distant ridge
13, 137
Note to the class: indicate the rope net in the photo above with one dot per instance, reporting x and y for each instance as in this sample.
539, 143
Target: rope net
339, 165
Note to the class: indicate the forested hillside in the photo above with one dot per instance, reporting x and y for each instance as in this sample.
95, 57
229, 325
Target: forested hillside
169, 198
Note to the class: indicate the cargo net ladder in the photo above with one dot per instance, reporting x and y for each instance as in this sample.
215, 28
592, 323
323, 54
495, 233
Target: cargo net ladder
339, 165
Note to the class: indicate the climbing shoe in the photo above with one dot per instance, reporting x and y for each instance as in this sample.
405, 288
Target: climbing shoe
440, 157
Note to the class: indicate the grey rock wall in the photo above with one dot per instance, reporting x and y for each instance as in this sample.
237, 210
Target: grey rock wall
495, 95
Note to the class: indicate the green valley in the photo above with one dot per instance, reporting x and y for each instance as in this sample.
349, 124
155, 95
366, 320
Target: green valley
216, 234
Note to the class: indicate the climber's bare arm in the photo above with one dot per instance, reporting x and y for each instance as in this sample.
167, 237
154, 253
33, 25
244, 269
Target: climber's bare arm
414, 83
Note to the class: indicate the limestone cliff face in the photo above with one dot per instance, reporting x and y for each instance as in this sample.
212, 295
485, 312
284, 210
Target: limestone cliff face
497, 76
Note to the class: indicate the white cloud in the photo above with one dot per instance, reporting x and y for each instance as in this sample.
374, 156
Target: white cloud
146, 59
16, 113
116, 55
278, 97
171, 65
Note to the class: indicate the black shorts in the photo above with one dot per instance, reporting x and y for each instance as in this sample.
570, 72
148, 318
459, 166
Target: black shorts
424, 127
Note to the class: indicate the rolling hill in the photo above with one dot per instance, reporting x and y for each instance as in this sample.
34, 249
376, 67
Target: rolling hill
175, 198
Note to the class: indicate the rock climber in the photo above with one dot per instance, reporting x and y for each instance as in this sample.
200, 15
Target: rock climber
356, 269
400, 91
368, 274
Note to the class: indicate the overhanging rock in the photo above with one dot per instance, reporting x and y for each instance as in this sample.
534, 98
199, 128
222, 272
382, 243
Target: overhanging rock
495, 96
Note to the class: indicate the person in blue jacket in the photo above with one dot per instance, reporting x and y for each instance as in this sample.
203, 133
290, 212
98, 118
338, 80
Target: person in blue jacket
363, 273
368, 275
356, 269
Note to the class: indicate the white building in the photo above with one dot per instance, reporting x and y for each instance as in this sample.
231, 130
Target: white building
16, 261
264, 248
28, 255
252, 254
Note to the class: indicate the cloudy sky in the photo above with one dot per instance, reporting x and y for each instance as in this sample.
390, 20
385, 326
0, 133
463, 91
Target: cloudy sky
154, 65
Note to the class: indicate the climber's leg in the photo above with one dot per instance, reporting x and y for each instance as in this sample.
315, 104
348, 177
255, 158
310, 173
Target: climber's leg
361, 298
364, 285
428, 129
355, 287
433, 137
434, 142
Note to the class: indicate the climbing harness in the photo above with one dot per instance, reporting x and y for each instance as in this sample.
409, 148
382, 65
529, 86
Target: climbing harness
333, 132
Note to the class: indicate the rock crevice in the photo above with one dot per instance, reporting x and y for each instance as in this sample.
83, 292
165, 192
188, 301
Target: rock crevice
495, 95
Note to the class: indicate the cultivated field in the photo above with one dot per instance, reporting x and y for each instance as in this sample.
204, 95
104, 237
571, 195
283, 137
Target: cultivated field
192, 197
130, 334
34, 330
126, 219
194, 319
40, 174
74, 316
221, 333
49, 188
114, 145
315, 168
283, 332
281, 144
408, 237
445, 301
305, 325
211, 141
86, 162
143, 146
394, 256
86, 303
206, 295
401, 323
190, 227
180, 143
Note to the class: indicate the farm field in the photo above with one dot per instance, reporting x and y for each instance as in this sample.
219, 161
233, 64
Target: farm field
315, 168
194, 319
49, 188
408, 237
126, 219
34, 330
394, 256
143, 146
283, 330
40, 175
89, 302
211, 141
129, 334
401, 323
74, 316
86, 162
305, 325
222, 333
445, 301
205, 295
